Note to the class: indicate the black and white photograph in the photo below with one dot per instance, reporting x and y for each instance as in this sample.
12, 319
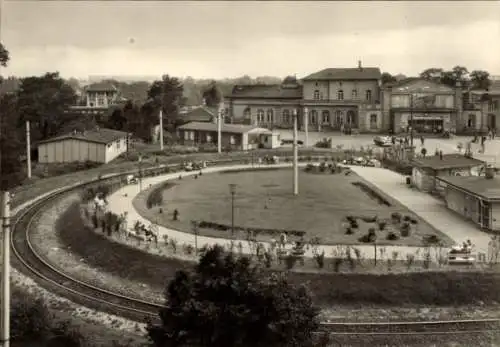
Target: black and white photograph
249, 173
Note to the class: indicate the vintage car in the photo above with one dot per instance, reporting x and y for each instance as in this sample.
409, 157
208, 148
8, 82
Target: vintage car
382, 141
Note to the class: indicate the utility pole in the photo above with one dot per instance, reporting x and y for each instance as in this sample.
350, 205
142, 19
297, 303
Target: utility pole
411, 121
295, 156
306, 126
161, 129
219, 127
5, 215
194, 226
232, 189
139, 164
28, 148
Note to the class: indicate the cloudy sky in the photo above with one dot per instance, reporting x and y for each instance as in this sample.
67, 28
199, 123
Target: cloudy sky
228, 39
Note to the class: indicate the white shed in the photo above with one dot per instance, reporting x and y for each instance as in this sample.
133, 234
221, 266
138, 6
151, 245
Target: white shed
99, 145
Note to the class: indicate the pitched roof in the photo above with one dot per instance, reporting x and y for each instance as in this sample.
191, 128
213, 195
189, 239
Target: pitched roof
478, 185
101, 87
101, 135
266, 91
417, 84
449, 161
227, 128
364, 73
199, 114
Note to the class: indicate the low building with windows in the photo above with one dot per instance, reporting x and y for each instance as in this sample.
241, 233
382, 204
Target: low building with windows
476, 198
426, 170
99, 145
233, 136
481, 109
425, 106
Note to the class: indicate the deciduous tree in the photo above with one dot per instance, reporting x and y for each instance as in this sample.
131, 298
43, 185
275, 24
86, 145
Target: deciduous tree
167, 93
480, 79
43, 100
212, 95
226, 301
432, 74
387, 78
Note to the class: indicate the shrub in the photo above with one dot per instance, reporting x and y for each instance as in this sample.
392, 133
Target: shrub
367, 219
405, 229
290, 261
396, 217
336, 264
354, 224
414, 221
407, 218
309, 168
349, 231
410, 259
320, 259
268, 259
382, 225
431, 239
188, 249
392, 236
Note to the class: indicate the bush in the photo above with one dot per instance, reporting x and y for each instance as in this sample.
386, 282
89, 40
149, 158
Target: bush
396, 217
382, 225
407, 218
349, 231
405, 229
431, 239
320, 259
369, 219
392, 236
290, 261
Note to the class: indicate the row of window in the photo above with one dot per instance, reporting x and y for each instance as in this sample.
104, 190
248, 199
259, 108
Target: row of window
209, 138
493, 105
340, 95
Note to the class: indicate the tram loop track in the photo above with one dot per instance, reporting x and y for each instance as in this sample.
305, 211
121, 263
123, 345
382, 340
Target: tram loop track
28, 261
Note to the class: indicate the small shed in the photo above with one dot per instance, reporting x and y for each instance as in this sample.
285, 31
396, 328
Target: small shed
234, 136
476, 198
426, 170
99, 145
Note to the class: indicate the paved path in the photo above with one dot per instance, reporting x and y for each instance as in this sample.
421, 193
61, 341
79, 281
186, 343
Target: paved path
121, 201
425, 206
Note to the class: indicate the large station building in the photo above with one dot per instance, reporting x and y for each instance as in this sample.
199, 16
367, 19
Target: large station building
338, 98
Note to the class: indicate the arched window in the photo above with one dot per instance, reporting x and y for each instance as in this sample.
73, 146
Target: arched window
247, 112
270, 115
340, 95
260, 116
314, 116
368, 95
286, 116
316, 95
325, 117
354, 94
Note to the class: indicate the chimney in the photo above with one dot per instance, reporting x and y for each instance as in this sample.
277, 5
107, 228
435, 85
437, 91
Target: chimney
489, 172
359, 65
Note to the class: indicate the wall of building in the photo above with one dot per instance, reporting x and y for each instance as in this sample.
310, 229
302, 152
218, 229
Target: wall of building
195, 137
114, 149
423, 179
276, 107
455, 200
495, 216
71, 150
329, 90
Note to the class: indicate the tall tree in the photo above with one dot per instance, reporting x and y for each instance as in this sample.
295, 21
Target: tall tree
4, 55
480, 79
167, 93
387, 78
448, 78
228, 302
212, 95
460, 73
11, 146
43, 101
432, 74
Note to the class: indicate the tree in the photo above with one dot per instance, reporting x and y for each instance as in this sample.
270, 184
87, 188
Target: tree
167, 93
388, 78
460, 73
480, 79
4, 55
212, 95
432, 74
448, 78
228, 302
43, 101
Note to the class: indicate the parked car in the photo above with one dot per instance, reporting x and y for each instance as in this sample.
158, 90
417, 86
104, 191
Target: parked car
382, 141
131, 179
285, 142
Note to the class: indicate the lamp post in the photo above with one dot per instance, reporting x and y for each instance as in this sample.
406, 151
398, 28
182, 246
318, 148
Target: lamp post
194, 227
219, 127
232, 190
139, 169
295, 155
411, 120
306, 126
5, 218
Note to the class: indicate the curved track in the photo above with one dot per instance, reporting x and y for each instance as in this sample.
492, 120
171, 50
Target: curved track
28, 261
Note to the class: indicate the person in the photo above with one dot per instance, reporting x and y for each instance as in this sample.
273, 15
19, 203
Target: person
422, 140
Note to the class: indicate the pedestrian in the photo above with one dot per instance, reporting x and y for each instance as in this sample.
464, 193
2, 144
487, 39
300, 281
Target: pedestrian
422, 140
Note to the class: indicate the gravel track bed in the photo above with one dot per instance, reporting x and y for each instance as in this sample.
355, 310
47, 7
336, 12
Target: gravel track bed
48, 243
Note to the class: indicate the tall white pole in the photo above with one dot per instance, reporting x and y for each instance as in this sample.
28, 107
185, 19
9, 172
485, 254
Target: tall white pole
306, 126
28, 148
295, 156
219, 129
161, 129
5, 216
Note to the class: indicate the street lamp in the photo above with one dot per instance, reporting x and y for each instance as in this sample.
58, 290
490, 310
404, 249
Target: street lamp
232, 190
306, 126
139, 165
194, 228
295, 155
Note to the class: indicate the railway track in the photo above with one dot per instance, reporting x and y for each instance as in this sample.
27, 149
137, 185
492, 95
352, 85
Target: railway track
28, 261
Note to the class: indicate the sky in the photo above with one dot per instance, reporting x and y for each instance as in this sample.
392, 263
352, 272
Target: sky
229, 39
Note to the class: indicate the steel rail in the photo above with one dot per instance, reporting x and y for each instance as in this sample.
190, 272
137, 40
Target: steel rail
95, 297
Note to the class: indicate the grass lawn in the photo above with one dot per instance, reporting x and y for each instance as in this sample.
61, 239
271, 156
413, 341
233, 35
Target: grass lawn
264, 200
